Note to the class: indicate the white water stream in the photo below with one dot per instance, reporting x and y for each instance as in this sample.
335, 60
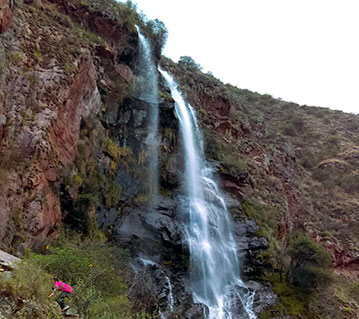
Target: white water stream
170, 294
148, 92
215, 275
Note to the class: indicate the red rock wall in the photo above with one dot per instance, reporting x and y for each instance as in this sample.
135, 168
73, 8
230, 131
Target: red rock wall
82, 98
5, 15
40, 112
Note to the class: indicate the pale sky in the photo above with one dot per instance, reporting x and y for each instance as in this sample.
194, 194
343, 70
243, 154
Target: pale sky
305, 51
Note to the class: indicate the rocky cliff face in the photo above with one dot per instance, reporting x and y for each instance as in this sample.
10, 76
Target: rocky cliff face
73, 145
45, 91
293, 168
294, 158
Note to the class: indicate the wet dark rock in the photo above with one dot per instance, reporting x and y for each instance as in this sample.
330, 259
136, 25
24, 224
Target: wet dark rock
256, 243
264, 296
169, 180
232, 202
107, 217
138, 117
195, 312
251, 227
130, 186
145, 230
167, 204
124, 116
150, 288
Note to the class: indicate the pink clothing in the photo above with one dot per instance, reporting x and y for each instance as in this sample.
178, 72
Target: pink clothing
59, 285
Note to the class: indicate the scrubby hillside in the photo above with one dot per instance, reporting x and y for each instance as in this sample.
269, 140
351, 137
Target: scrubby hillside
74, 158
303, 159
294, 167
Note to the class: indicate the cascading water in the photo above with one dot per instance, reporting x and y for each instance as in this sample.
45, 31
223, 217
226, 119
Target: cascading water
170, 294
148, 92
215, 274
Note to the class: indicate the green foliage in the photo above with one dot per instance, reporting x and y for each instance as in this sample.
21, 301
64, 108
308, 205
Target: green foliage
304, 250
125, 14
93, 270
14, 57
309, 263
228, 154
117, 153
29, 282
265, 217
85, 35
166, 96
354, 292
308, 159
291, 302
289, 129
267, 99
189, 62
83, 187
79, 218
324, 304
308, 277
112, 193
333, 140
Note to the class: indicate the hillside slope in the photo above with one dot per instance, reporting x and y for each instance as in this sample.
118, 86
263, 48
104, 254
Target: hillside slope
74, 155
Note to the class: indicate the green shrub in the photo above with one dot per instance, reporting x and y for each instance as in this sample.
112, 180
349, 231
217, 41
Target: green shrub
228, 154
29, 286
93, 270
78, 219
308, 160
189, 63
289, 129
28, 280
291, 302
310, 262
354, 292
298, 123
307, 277
112, 192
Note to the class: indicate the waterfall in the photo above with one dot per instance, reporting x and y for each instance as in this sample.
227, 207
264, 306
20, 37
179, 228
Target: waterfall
148, 92
170, 294
215, 276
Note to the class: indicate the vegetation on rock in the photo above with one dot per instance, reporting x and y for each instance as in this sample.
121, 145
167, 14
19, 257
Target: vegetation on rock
291, 167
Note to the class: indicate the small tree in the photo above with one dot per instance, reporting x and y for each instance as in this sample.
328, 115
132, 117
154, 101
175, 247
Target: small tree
309, 263
280, 253
189, 62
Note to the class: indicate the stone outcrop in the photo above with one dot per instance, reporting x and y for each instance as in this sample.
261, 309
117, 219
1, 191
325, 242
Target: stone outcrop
82, 99
46, 91
8, 261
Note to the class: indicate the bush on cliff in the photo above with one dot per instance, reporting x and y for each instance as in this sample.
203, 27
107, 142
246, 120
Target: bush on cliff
309, 266
189, 62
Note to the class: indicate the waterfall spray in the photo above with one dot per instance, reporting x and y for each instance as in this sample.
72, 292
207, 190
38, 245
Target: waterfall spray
149, 93
215, 275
